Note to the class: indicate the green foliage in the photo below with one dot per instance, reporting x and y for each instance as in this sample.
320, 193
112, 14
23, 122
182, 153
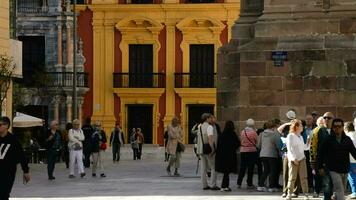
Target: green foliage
7, 67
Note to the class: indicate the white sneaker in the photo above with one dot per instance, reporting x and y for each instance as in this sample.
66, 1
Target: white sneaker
262, 189
305, 197
272, 190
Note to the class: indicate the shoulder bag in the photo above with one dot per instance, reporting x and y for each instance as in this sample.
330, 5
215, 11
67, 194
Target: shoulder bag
206, 147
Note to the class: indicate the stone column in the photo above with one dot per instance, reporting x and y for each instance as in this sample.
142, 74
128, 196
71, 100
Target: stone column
55, 103
170, 69
80, 109
69, 45
69, 109
59, 45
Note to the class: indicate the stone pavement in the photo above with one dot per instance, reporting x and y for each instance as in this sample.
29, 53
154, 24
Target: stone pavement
130, 180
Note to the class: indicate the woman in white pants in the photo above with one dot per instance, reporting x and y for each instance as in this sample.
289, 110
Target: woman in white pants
75, 137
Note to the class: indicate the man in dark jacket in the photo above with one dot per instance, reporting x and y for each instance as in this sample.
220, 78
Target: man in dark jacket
53, 144
324, 180
98, 146
116, 141
88, 131
334, 156
11, 153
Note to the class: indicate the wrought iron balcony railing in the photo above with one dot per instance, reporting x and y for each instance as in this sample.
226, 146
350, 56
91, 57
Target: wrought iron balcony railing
139, 80
191, 80
32, 6
65, 79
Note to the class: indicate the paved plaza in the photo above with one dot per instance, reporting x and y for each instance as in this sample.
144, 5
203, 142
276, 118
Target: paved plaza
130, 180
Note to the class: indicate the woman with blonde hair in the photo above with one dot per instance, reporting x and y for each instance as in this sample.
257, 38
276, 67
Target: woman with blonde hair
296, 157
175, 145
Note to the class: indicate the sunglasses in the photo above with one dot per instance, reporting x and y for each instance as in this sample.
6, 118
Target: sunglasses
337, 126
327, 117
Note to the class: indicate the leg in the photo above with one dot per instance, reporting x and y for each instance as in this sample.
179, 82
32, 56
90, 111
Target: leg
51, 160
140, 151
95, 162
266, 170
273, 176
259, 167
337, 185
292, 177
6, 183
225, 181
213, 176
244, 162
285, 175
204, 163
303, 176
251, 167
114, 150
177, 163
80, 162
100, 161
352, 178
72, 158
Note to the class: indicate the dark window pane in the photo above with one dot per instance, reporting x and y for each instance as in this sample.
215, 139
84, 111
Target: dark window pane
201, 65
33, 57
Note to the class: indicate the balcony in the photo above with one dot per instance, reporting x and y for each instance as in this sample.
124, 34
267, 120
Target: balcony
65, 79
190, 80
139, 80
32, 6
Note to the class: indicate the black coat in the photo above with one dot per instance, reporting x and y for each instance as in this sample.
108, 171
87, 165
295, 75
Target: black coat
335, 156
226, 158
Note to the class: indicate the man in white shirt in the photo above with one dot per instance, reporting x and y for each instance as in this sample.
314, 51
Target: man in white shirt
206, 136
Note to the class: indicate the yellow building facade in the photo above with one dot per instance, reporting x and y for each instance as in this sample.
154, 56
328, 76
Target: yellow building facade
151, 61
5, 50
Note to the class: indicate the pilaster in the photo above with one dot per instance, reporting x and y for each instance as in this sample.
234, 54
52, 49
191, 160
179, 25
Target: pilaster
69, 109
69, 45
170, 69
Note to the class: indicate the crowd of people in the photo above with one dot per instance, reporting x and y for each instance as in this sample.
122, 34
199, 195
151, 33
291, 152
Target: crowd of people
314, 155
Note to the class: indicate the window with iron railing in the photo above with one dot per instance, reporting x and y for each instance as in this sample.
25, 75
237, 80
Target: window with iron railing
65, 79
32, 6
193, 80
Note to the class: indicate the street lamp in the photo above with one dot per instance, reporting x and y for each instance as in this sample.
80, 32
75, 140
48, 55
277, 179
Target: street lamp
75, 102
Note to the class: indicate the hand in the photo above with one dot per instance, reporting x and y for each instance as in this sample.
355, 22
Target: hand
321, 172
26, 178
295, 162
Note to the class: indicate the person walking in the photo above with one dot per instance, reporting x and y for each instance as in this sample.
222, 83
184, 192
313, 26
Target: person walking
334, 156
206, 150
268, 142
53, 144
320, 135
65, 140
116, 141
88, 131
76, 136
296, 159
11, 154
307, 134
226, 158
134, 144
98, 146
349, 129
249, 153
140, 140
175, 146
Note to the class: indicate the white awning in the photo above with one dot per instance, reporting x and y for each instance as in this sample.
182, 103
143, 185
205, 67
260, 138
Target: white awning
22, 120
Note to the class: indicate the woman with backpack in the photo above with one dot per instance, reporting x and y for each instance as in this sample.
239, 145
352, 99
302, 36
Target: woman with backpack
174, 146
134, 144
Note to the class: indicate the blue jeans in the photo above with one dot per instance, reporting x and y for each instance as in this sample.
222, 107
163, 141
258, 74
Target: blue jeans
352, 178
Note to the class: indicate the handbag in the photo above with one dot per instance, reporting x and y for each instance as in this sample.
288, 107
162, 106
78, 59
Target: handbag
76, 147
206, 147
103, 146
180, 147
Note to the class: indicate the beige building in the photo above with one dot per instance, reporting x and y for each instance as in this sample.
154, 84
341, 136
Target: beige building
9, 47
